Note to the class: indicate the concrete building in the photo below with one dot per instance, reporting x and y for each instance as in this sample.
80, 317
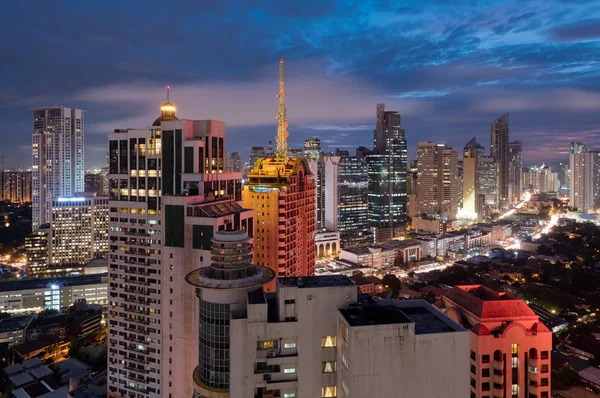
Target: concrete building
15, 186
313, 338
256, 152
510, 348
585, 177
234, 163
31, 295
488, 182
387, 173
78, 230
312, 149
169, 192
515, 170
36, 247
499, 151
471, 154
437, 183
353, 201
96, 181
328, 243
332, 199
57, 158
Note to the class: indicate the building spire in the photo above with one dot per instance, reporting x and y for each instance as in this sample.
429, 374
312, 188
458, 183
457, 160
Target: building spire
168, 93
282, 122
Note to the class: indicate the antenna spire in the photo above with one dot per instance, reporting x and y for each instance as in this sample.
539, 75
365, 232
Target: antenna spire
168, 93
282, 122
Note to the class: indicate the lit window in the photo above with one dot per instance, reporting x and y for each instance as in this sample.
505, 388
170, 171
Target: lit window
289, 395
328, 366
328, 341
515, 349
515, 362
289, 345
266, 344
515, 390
289, 370
329, 392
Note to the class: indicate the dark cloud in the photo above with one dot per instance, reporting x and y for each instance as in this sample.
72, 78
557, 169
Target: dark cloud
450, 68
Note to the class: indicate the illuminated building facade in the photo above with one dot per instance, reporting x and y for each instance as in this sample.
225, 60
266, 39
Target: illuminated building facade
515, 170
488, 182
437, 182
281, 190
353, 201
78, 230
96, 181
313, 336
499, 151
387, 173
585, 176
509, 346
15, 186
312, 149
471, 154
36, 247
57, 158
169, 192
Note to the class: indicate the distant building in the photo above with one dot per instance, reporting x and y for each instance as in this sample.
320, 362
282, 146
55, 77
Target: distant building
96, 181
510, 347
331, 194
387, 165
515, 170
57, 158
353, 201
471, 154
233, 162
36, 247
312, 149
15, 186
488, 182
499, 151
585, 177
256, 153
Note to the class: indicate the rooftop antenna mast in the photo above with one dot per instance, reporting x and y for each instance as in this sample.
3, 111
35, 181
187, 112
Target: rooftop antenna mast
282, 122
168, 93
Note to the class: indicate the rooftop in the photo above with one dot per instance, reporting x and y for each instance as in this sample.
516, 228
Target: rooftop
316, 281
15, 323
42, 283
367, 315
484, 302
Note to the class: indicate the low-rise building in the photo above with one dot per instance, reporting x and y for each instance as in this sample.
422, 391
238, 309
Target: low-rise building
13, 330
370, 285
328, 243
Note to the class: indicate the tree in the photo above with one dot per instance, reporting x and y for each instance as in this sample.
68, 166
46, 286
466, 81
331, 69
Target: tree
75, 349
565, 378
392, 283
47, 312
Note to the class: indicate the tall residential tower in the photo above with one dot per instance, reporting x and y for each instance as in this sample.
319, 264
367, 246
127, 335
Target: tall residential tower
499, 152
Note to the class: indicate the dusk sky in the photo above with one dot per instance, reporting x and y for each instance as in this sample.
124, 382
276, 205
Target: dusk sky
450, 68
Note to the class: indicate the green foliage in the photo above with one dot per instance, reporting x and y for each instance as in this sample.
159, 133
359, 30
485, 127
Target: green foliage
566, 377
392, 284
47, 312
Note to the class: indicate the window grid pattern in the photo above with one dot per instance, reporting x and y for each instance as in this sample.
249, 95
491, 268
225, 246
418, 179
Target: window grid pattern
214, 344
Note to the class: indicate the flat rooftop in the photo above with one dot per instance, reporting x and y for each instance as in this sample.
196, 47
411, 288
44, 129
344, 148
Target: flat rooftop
426, 319
316, 281
42, 283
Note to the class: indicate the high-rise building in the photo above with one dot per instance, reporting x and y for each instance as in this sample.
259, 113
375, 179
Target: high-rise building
353, 201
256, 153
96, 181
1, 163
312, 337
499, 151
57, 158
563, 176
281, 190
169, 193
387, 173
15, 186
312, 149
331, 193
437, 185
36, 247
585, 177
233, 162
509, 346
515, 170
78, 230
488, 182
471, 190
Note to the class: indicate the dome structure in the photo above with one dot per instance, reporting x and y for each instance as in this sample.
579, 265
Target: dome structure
167, 111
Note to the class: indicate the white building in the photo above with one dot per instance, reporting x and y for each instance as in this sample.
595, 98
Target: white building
57, 158
312, 338
78, 229
328, 243
585, 177
331, 192
168, 193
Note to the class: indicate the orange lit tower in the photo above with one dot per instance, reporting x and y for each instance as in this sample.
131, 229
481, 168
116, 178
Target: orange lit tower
281, 190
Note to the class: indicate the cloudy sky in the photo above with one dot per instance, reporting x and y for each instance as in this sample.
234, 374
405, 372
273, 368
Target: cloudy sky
449, 67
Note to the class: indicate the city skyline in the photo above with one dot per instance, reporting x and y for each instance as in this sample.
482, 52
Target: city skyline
499, 58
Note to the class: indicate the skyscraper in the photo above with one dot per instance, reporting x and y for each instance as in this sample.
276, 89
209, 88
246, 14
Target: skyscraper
169, 193
96, 181
471, 154
585, 176
387, 173
233, 162
488, 182
316, 163
515, 170
353, 201
312, 149
57, 158
331, 193
499, 152
437, 185
282, 192
15, 186
256, 153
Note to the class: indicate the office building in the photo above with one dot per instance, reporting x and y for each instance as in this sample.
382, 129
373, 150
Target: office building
585, 177
312, 149
281, 190
331, 193
36, 247
563, 176
96, 181
515, 170
471, 154
509, 346
78, 230
15, 186
233, 162
437, 185
256, 153
32, 295
387, 174
499, 151
488, 182
168, 193
57, 158
353, 201
313, 338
